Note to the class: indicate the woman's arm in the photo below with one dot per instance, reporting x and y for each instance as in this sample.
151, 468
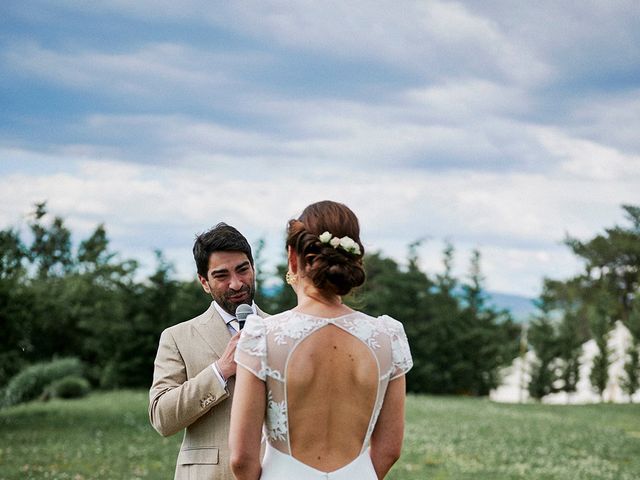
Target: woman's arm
247, 417
386, 440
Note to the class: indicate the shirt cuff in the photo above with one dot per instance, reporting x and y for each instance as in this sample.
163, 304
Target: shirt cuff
222, 380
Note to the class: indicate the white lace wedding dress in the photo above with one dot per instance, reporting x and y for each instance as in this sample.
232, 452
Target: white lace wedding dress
265, 347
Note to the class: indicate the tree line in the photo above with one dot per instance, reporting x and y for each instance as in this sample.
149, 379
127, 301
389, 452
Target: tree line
59, 300
586, 306
63, 300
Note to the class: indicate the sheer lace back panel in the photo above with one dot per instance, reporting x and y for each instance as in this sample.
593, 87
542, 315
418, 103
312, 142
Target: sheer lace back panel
267, 346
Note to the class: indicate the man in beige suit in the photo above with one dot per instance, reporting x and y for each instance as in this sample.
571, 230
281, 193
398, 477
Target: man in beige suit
194, 373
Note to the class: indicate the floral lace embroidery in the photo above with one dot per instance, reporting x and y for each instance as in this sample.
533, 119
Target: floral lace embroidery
254, 345
402, 360
366, 331
271, 372
276, 420
295, 328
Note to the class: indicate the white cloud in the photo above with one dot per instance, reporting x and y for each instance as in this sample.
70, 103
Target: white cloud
574, 43
433, 37
413, 129
584, 158
517, 220
612, 117
463, 99
526, 268
176, 137
498, 126
171, 69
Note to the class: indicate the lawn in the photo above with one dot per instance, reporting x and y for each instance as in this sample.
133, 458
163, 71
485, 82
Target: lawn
107, 436
463, 438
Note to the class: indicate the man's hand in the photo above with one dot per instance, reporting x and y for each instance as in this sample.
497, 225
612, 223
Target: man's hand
226, 364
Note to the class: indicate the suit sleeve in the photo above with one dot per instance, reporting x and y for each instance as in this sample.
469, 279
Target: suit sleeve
175, 402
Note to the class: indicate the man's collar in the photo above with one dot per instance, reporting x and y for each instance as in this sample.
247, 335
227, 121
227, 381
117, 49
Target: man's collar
226, 316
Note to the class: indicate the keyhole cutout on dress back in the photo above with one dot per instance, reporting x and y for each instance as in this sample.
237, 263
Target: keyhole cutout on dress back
332, 382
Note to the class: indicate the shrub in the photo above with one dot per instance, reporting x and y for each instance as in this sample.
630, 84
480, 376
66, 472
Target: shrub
30, 383
71, 386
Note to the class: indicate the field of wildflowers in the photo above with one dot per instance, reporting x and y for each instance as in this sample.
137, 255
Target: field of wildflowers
108, 436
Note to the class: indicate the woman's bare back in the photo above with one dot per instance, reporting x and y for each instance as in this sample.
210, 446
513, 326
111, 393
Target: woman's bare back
332, 381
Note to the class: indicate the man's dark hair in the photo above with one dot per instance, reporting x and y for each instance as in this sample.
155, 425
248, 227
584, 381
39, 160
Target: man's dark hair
221, 238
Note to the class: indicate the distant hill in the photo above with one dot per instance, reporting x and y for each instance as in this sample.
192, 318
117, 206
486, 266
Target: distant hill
520, 307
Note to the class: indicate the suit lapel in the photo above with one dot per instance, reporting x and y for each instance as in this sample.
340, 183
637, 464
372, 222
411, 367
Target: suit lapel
213, 330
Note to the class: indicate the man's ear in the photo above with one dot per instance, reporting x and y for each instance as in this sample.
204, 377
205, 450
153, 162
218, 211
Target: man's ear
205, 285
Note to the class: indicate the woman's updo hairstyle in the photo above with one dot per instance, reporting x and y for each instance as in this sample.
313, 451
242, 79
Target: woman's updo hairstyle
332, 270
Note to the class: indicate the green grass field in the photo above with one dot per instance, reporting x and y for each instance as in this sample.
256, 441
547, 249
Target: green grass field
107, 436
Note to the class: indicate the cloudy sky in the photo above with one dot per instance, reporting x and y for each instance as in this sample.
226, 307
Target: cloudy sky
496, 127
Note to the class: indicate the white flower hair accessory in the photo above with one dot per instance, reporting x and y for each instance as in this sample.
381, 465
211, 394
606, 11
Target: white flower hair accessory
325, 237
345, 243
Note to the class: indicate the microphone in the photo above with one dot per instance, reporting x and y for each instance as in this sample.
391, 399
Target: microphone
242, 312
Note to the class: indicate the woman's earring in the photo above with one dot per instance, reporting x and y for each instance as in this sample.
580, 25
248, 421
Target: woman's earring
291, 278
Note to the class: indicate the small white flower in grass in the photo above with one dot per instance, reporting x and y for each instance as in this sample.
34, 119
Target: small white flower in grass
325, 237
335, 242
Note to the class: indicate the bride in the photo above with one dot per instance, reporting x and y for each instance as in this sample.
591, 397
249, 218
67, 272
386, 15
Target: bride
327, 382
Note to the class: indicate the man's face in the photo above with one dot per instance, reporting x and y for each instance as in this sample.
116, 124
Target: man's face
230, 280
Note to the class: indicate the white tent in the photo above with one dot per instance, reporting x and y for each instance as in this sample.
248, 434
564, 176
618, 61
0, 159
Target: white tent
516, 377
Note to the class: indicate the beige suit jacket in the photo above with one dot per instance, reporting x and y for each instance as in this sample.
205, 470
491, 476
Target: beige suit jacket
187, 394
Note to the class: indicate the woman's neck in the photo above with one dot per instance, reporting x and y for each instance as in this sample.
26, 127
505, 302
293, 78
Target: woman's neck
311, 301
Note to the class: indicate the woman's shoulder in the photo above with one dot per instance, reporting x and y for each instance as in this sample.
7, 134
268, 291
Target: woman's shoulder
269, 318
277, 317
275, 321
387, 320
381, 322
390, 324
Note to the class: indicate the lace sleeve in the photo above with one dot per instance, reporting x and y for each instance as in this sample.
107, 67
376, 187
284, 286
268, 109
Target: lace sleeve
402, 361
251, 352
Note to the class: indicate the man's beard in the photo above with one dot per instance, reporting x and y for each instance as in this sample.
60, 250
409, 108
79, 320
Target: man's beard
229, 305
